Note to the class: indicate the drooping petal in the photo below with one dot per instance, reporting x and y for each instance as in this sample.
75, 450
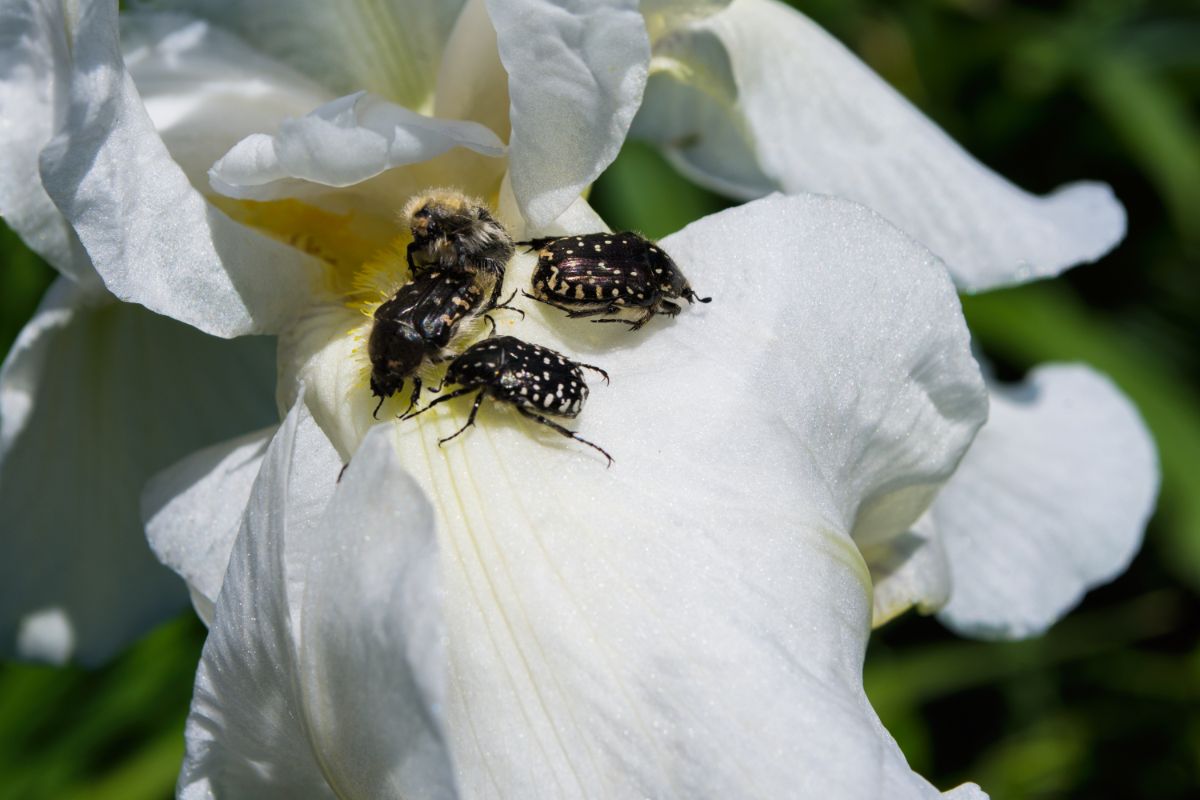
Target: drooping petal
33, 55
388, 48
246, 733
372, 618
285, 704
1050, 500
342, 143
576, 72
149, 233
95, 397
801, 113
692, 620
205, 89
193, 511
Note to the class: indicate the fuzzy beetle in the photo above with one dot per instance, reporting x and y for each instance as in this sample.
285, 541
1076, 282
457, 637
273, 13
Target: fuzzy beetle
608, 273
417, 326
456, 233
535, 380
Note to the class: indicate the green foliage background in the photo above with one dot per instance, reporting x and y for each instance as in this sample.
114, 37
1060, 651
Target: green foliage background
1108, 703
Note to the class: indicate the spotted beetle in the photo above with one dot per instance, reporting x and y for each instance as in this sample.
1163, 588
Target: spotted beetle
417, 326
535, 380
608, 273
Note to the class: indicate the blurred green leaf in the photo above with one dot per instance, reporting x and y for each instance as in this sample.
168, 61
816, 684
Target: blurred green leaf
1042, 761
24, 278
113, 732
899, 682
1159, 130
641, 191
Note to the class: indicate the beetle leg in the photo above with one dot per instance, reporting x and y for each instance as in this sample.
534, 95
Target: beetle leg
412, 400
470, 417
570, 434
504, 304
546, 301
408, 256
590, 312
442, 399
603, 374
536, 244
668, 308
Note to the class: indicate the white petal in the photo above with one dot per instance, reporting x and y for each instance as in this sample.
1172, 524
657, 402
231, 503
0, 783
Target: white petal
576, 71
193, 511
205, 89
661, 15
389, 48
95, 397
340, 144
373, 621
471, 82
33, 54
150, 234
813, 118
691, 621
909, 570
247, 734
1051, 500
266, 718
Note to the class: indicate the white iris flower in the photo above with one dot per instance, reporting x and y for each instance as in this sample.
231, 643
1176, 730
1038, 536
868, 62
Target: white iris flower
503, 616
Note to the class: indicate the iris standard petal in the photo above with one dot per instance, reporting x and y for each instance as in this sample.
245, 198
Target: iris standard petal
388, 47
1051, 500
205, 89
95, 397
576, 71
801, 113
342, 143
33, 55
471, 82
151, 236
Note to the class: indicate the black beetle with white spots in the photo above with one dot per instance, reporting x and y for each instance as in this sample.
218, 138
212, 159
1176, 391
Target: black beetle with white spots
609, 274
537, 381
458, 258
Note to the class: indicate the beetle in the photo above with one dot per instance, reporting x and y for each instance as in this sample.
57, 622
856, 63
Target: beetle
418, 325
608, 273
535, 380
456, 233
